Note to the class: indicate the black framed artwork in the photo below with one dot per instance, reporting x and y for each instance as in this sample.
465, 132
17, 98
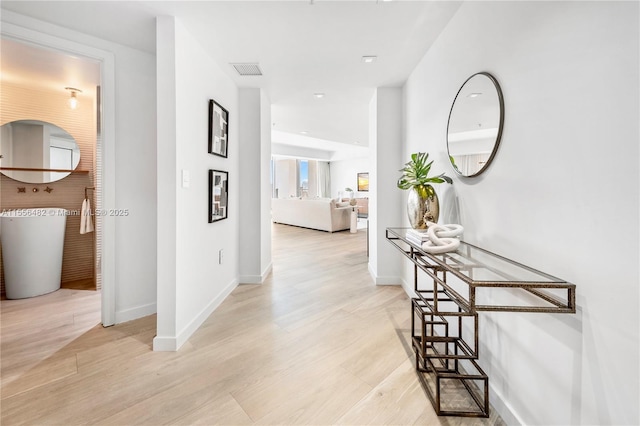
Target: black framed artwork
218, 129
363, 181
218, 195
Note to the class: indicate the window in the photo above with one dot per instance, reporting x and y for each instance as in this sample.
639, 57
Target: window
296, 177
303, 178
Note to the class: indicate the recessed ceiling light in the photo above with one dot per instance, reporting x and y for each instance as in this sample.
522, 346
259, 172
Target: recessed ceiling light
369, 59
319, 95
474, 95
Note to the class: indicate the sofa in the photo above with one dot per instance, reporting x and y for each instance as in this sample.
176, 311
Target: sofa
323, 214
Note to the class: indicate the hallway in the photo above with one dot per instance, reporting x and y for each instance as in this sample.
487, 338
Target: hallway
317, 343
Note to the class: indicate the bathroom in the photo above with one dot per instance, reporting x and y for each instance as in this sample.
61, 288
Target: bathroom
40, 84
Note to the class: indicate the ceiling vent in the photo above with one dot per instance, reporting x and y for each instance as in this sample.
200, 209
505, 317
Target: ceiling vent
247, 69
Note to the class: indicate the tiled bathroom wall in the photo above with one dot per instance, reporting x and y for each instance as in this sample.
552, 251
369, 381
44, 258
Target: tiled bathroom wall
21, 102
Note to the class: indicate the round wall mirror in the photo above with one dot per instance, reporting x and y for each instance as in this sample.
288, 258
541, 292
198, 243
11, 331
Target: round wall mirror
475, 124
33, 151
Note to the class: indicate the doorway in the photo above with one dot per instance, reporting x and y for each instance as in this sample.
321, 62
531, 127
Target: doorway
100, 170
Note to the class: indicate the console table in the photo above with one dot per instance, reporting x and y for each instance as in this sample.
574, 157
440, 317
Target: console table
444, 316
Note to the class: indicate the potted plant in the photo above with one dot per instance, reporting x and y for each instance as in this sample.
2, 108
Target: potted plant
422, 205
351, 193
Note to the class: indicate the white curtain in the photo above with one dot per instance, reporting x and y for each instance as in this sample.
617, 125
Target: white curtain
470, 164
324, 179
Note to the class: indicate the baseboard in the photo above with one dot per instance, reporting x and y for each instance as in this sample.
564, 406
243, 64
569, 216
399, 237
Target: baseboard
382, 280
164, 344
267, 271
256, 279
503, 408
388, 281
135, 313
408, 289
169, 343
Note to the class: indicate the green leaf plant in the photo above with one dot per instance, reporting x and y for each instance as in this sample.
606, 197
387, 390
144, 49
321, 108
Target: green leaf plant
415, 174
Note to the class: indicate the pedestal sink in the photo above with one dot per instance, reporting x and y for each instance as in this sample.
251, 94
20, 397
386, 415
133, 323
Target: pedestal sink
32, 242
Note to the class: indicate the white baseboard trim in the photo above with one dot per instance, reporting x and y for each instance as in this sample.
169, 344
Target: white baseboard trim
388, 281
372, 271
256, 279
164, 344
135, 313
408, 288
267, 271
250, 279
503, 408
382, 280
170, 343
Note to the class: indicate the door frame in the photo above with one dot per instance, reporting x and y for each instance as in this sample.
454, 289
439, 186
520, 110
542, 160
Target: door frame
15, 26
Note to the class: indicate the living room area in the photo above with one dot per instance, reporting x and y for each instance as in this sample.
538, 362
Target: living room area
329, 196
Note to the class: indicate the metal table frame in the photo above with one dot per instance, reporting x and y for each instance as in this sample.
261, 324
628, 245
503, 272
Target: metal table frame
444, 316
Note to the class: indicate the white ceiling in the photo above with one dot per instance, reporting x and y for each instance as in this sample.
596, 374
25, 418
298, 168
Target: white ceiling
32, 65
302, 48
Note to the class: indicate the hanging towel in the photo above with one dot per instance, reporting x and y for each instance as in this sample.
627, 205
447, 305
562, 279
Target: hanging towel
86, 225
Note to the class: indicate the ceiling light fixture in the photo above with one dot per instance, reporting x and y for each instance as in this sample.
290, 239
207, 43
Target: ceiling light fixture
319, 95
474, 95
73, 100
369, 59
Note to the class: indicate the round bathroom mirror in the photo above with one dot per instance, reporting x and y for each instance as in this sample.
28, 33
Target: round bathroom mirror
475, 124
35, 151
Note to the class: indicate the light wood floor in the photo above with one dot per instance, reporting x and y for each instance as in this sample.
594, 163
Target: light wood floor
317, 343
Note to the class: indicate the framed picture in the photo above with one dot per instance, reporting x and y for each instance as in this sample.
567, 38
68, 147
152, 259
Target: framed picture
363, 181
218, 195
218, 129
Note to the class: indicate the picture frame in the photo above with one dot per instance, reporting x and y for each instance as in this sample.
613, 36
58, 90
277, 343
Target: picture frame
218, 129
363, 181
218, 195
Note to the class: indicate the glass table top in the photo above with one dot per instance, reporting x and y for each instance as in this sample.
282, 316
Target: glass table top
476, 265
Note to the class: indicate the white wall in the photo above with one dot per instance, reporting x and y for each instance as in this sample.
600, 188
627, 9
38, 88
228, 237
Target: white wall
133, 164
249, 243
265, 184
166, 323
255, 196
300, 152
385, 200
199, 283
344, 174
135, 184
561, 195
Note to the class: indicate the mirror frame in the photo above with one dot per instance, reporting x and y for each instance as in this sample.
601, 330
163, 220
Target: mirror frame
500, 125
